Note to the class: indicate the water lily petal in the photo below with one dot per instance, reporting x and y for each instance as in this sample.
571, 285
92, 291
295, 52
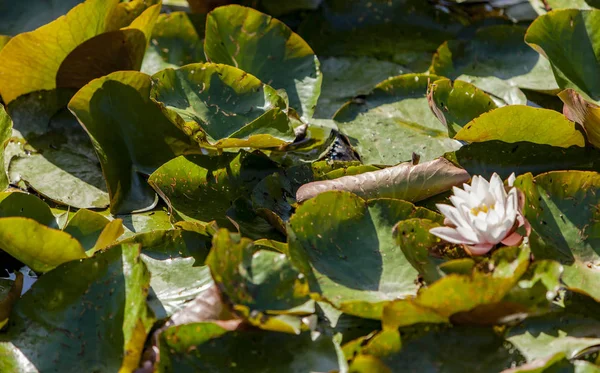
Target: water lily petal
513, 239
480, 249
450, 235
452, 214
511, 179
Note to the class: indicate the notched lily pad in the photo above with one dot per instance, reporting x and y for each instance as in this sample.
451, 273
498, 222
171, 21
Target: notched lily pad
222, 106
394, 121
345, 246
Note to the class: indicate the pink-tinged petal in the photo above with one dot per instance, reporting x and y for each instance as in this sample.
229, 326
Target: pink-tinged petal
513, 239
481, 249
450, 235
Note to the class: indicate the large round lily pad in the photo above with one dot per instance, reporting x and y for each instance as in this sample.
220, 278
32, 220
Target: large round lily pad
394, 121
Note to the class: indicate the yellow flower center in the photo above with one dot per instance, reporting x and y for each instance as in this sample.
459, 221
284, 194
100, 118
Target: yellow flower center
482, 208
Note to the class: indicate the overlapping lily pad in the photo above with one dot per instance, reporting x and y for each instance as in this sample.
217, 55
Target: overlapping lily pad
268, 49
212, 183
222, 106
394, 121
345, 246
497, 61
54, 60
562, 207
120, 104
68, 316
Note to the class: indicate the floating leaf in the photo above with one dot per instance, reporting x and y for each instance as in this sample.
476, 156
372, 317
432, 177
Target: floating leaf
498, 52
177, 40
57, 158
485, 158
222, 106
523, 123
17, 204
5, 131
394, 121
213, 183
403, 31
405, 181
451, 350
36, 245
542, 336
475, 298
562, 208
268, 49
345, 246
261, 280
118, 106
93, 231
209, 347
174, 282
457, 103
68, 316
562, 37
347, 77
58, 54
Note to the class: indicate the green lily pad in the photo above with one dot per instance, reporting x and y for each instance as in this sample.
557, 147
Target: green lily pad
451, 350
213, 183
56, 61
562, 37
485, 158
174, 282
36, 245
157, 219
495, 51
55, 157
222, 106
268, 49
406, 32
208, 347
177, 40
568, 333
92, 230
30, 14
5, 132
172, 243
17, 204
394, 121
478, 297
562, 208
347, 77
70, 316
523, 123
118, 106
457, 103
345, 246
262, 280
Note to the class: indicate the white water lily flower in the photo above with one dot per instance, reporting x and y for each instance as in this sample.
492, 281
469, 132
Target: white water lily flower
483, 215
